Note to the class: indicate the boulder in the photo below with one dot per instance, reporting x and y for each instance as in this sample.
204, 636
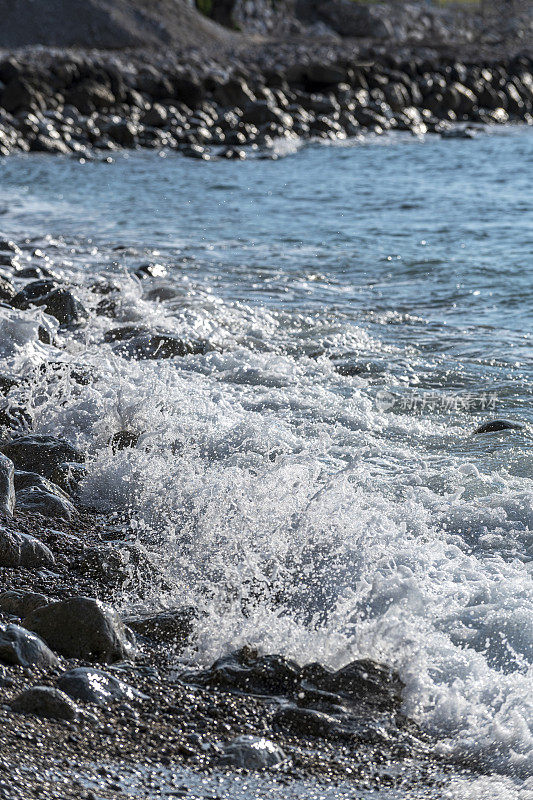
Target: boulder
35, 500
253, 753
82, 627
19, 646
21, 550
39, 453
91, 685
20, 604
7, 486
45, 701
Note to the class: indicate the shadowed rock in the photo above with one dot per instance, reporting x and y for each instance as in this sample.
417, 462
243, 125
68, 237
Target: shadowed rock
21, 550
82, 627
45, 701
22, 603
19, 646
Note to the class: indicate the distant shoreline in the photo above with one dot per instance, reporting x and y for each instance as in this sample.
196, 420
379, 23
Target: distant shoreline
81, 102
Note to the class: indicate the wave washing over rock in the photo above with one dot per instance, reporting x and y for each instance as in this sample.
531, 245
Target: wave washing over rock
231, 420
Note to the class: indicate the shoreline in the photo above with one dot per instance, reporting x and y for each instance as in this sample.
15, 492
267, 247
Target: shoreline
80, 103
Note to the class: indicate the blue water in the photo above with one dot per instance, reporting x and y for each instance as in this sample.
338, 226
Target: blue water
368, 306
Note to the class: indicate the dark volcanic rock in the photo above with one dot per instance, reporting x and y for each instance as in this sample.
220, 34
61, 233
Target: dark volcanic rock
92, 685
82, 628
39, 453
19, 646
45, 701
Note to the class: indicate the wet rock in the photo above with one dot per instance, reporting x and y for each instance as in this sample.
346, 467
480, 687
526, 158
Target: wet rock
25, 480
35, 500
39, 453
20, 604
19, 94
56, 301
82, 627
19, 646
171, 627
253, 753
45, 701
151, 271
363, 681
248, 672
33, 292
7, 486
305, 722
121, 440
21, 550
68, 476
15, 417
92, 685
158, 345
498, 425
7, 290
90, 96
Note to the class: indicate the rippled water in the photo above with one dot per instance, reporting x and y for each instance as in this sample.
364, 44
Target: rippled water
313, 483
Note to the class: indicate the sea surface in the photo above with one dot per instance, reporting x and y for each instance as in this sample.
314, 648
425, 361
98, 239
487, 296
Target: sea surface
312, 483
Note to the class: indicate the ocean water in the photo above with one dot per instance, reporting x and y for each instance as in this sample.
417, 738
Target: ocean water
312, 483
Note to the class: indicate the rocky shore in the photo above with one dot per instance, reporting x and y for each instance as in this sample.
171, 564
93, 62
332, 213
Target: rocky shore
91, 697
90, 104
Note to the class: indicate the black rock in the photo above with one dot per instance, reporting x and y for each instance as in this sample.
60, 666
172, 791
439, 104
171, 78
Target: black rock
158, 345
19, 646
498, 425
20, 604
39, 453
305, 722
21, 550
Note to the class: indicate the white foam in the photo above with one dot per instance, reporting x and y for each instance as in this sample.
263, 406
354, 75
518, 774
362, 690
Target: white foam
305, 519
